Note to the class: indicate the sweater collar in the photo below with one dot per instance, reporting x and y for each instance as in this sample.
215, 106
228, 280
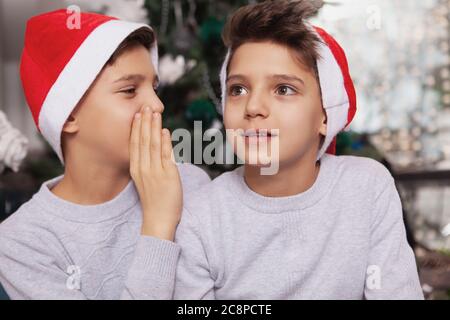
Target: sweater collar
126, 199
310, 197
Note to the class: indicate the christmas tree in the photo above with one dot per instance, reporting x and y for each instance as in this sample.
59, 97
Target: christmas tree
191, 51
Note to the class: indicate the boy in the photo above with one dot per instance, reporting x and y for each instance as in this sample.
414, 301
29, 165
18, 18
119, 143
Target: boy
84, 235
322, 226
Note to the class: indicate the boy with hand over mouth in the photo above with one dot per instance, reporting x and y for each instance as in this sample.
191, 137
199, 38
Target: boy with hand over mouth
85, 235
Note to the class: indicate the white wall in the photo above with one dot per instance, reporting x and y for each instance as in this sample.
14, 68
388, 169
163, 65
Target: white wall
13, 17
2, 48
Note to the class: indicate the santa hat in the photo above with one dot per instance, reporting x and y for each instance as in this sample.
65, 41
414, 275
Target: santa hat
59, 63
338, 92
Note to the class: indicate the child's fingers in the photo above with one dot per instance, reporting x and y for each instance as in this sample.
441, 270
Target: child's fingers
144, 144
167, 151
155, 144
134, 145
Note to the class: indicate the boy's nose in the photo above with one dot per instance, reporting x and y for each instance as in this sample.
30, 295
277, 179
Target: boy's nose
154, 107
151, 99
256, 107
158, 106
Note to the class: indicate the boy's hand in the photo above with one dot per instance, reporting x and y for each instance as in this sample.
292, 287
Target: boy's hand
155, 175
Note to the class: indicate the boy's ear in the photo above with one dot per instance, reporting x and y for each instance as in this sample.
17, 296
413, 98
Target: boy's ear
71, 125
323, 124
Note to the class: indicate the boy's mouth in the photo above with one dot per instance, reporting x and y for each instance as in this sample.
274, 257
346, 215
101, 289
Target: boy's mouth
259, 133
256, 134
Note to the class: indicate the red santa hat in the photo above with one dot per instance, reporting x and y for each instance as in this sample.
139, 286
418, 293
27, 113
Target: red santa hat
338, 92
59, 63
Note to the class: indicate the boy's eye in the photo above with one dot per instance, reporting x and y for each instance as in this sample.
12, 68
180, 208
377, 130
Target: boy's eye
129, 91
237, 91
285, 90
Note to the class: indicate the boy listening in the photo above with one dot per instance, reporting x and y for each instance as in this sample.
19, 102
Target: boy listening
322, 226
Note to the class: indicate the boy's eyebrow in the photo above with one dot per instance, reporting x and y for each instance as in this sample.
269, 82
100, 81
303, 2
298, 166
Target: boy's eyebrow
128, 77
235, 77
284, 77
136, 77
287, 77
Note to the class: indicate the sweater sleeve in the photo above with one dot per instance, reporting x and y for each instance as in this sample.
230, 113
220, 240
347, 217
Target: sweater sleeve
30, 269
152, 272
391, 271
193, 280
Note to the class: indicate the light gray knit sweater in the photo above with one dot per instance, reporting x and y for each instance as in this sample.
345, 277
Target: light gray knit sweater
344, 238
54, 249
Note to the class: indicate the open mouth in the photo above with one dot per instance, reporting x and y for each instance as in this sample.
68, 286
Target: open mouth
259, 133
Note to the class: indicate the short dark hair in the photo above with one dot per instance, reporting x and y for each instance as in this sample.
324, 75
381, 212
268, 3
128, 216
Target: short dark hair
141, 37
279, 21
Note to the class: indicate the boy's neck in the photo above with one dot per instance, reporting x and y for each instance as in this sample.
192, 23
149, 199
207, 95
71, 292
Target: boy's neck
290, 180
91, 185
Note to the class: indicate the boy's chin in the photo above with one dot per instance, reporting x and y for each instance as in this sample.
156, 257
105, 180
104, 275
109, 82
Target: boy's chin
263, 169
257, 164
262, 162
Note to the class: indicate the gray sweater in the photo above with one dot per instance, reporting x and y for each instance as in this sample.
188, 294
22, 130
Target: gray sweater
54, 249
344, 238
